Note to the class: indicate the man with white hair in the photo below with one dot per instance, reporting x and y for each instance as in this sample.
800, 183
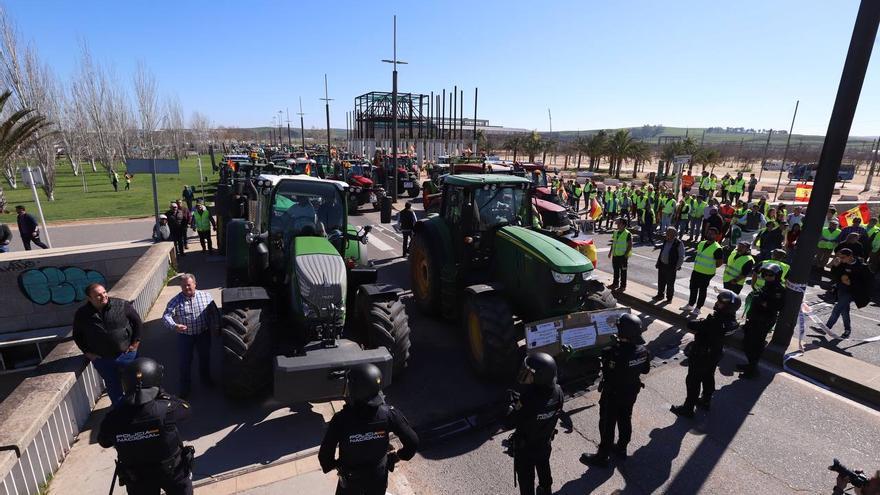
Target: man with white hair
193, 315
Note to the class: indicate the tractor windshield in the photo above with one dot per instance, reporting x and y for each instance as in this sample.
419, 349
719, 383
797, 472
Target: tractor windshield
497, 206
538, 178
307, 208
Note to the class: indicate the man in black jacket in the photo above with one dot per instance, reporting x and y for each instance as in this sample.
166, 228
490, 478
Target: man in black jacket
622, 367
362, 432
108, 331
668, 264
28, 229
143, 429
406, 220
853, 283
764, 309
5, 237
705, 352
534, 414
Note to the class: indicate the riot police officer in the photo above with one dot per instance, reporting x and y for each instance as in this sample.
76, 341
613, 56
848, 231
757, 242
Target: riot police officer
534, 414
766, 304
143, 428
622, 367
362, 431
705, 352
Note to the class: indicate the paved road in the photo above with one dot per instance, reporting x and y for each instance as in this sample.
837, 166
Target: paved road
779, 441
79, 233
865, 321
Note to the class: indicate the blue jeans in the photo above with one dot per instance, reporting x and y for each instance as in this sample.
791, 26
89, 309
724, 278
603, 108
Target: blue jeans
841, 309
109, 369
186, 346
696, 227
4, 248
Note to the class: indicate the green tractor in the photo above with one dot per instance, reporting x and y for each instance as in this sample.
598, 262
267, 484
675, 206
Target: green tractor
478, 261
301, 302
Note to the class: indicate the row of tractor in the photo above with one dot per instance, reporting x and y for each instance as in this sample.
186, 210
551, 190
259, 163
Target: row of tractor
302, 303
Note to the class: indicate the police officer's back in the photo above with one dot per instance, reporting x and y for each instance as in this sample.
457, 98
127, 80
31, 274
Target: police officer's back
534, 414
622, 367
143, 429
362, 432
764, 309
706, 351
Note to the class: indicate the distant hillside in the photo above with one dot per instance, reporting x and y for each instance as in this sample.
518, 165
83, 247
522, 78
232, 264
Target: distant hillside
713, 135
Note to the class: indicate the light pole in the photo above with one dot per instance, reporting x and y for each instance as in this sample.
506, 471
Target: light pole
848, 91
327, 101
785, 153
289, 145
394, 62
302, 127
280, 120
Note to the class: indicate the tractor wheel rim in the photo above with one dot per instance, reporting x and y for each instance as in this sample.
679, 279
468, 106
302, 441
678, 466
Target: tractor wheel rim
422, 282
475, 336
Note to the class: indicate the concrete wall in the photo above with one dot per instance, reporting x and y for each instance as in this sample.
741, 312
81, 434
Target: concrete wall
44, 414
43, 289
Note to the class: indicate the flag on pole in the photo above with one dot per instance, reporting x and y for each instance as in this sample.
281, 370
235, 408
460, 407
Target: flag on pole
802, 193
595, 209
861, 211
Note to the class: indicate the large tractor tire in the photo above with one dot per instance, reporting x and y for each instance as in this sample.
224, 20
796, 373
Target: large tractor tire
248, 349
424, 275
414, 190
491, 336
387, 326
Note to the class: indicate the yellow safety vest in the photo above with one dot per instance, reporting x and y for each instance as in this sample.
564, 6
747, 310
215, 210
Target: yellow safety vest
735, 264
705, 260
620, 242
759, 282
829, 238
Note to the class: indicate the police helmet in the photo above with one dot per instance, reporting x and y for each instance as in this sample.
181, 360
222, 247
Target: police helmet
539, 369
141, 380
363, 382
773, 269
727, 302
629, 327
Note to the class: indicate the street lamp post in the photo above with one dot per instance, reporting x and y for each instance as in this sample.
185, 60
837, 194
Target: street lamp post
327, 101
848, 91
302, 127
394, 62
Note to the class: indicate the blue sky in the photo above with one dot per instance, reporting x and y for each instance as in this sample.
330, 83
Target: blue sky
593, 63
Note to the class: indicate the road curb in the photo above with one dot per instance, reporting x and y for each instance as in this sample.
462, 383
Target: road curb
855, 378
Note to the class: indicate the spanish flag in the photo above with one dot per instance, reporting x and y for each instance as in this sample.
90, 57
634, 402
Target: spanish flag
861, 211
232, 165
802, 193
595, 209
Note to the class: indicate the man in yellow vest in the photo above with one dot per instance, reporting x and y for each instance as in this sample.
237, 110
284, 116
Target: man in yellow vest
621, 249
576, 192
698, 207
739, 266
667, 210
737, 187
873, 245
709, 256
202, 223
829, 240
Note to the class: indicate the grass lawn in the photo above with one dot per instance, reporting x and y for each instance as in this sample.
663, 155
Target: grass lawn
71, 203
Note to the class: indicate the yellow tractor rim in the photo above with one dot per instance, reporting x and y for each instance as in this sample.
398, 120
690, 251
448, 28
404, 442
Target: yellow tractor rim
475, 336
422, 282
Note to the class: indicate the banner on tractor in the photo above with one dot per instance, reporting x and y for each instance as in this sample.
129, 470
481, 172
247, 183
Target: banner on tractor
802, 193
573, 332
861, 211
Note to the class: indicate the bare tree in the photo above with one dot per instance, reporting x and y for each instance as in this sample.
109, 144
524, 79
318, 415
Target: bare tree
200, 128
149, 111
174, 126
33, 87
94, 90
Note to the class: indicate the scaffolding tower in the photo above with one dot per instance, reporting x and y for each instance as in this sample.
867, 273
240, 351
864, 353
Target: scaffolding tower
374, 120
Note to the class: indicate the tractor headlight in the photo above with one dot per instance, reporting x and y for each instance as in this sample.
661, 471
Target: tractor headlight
587, 275
562, 278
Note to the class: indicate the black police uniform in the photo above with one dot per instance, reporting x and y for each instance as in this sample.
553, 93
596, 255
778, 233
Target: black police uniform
622, 367
362, 432
766, 304
151, 452
705, 352
534, 417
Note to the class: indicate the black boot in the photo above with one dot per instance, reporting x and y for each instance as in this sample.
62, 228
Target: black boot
704, 403
684, 410
599, 459
620, 452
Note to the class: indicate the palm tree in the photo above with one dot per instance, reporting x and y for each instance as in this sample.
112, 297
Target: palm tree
707, 157
532, 145
621, 147
580, 146
640, 153
596, 148
18, 130
513, 143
